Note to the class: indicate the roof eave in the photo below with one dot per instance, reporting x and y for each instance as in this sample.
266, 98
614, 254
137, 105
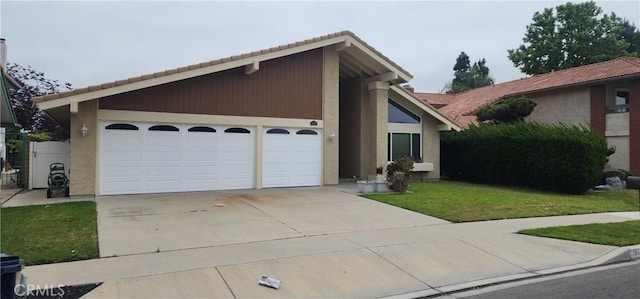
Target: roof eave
427, 108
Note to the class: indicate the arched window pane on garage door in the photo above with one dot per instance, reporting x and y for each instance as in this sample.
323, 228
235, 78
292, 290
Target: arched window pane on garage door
277, 131
164, 128
307, 132
128, 127
237, 130
202, 129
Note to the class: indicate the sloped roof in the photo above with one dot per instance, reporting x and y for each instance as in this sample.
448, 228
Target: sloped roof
462, 107
424, 105
436, 100
221, 61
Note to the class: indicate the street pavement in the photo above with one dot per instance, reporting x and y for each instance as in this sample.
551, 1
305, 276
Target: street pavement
320, 242
612, 281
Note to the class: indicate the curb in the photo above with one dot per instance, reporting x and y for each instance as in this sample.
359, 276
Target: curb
618, 255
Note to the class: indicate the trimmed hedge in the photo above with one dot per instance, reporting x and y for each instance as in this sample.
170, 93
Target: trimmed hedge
563, 158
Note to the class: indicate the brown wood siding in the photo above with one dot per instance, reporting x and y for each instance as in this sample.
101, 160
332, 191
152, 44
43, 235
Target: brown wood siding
287, 87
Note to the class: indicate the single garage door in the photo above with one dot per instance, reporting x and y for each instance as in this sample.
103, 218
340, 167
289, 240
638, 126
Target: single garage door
154, 158
292, 157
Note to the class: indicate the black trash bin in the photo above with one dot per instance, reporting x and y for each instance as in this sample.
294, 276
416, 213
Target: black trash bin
11, 268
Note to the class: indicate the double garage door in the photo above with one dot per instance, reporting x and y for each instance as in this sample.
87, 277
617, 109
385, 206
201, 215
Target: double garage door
155, 158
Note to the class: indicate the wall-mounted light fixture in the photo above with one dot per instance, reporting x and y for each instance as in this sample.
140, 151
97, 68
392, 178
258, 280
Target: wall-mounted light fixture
84, 130
332, 136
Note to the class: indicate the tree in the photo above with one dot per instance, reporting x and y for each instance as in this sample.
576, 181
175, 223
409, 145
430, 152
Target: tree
506, 111
569, 36
631, 35
34, 84
469, 77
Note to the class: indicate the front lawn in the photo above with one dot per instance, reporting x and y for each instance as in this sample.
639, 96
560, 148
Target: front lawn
53, 233
464, 202
616, 234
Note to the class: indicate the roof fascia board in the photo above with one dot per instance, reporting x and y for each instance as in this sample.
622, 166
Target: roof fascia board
92, 95
6, 103
402, 75
426, 108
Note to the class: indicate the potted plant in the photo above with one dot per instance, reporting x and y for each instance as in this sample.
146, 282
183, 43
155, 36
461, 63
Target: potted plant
399, 172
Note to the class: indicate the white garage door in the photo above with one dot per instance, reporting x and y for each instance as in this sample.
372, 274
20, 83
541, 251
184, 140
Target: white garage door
292, 157
154, 158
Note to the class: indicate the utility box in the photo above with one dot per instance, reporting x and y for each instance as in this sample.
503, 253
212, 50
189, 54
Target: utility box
633, 182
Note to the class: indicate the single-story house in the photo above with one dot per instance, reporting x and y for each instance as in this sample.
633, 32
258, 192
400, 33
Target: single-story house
605, 96
302, 114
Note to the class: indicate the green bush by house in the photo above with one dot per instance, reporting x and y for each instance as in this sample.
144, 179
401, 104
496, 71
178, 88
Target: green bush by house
563, 158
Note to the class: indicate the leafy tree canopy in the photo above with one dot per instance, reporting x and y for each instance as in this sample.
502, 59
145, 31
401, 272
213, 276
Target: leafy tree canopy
572, 35
469, 77
507, 111
34, 84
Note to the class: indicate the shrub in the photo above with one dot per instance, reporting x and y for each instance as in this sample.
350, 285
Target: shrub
507, 111
564, 158
403, 163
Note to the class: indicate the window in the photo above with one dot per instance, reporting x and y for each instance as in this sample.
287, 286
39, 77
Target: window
202, 129
400, 144
621, 102
277, 131
307, 132
237, 130
121, 127
400, 115
164, 128
404, 133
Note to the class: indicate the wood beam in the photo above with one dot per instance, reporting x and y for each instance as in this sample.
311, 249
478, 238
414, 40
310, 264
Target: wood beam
252, 67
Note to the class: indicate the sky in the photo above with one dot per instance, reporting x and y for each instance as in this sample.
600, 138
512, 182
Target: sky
88, 42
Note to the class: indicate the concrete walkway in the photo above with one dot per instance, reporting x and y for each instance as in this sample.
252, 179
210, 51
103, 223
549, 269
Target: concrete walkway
384, 251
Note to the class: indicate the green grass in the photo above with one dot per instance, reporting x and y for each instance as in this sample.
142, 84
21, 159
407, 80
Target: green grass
464, 202
54, 233
616, 234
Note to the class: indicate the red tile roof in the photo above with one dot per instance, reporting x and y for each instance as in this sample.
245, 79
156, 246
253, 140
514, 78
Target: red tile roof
436, 100
462, 107
215, 62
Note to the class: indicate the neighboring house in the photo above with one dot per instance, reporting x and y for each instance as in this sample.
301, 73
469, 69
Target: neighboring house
605, 96
7, 117
302, 114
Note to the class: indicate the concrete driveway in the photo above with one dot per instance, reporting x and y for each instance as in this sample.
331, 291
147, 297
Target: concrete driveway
166, 222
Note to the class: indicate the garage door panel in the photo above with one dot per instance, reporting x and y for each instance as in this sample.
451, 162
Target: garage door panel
148, 161
291, 159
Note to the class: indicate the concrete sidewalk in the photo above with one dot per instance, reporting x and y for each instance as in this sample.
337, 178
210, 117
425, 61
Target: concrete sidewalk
408, 261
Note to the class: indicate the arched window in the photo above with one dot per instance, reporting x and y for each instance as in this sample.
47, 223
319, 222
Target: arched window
128, 127
307, 132
237, 130
164, 128
202, 129
277, 131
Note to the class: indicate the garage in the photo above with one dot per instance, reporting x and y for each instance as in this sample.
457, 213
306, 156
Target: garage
140, 158
292, 157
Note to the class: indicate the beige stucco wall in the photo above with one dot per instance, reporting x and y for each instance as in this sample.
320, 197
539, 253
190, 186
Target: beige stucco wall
620, 159
330, 115
617, 124
431, 146
82, 169
572, 106
377, 124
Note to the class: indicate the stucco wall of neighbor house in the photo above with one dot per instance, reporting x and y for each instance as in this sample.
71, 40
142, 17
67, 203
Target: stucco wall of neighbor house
351, 93
571, 106
620, 159
83, 150
617, 124
330, 115
634, 126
